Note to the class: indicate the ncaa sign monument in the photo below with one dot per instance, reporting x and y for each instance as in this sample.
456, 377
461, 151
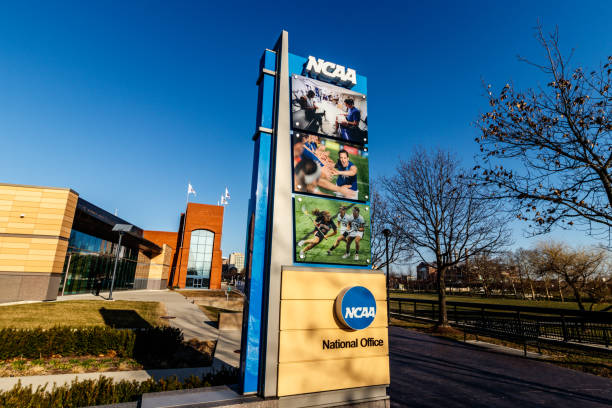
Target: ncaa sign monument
312, 333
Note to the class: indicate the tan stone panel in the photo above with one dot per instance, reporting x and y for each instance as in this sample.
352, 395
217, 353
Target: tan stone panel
52, 232
41, 252
14, 244
38, 257
12, 261
18, 251
47, 262
11, 268
20, 225
50, 216
315, 376
52, 205
45, 241
298, 284
41, 269
25, 206
319, 314
51, 245
307, 345
61, 200
6, 255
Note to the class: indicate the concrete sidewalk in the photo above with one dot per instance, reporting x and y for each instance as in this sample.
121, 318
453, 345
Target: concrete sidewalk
187, 316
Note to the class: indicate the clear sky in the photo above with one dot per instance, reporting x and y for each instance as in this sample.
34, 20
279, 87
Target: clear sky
127, 101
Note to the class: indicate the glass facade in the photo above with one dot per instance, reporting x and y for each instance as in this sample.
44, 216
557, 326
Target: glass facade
200, 258
90, 258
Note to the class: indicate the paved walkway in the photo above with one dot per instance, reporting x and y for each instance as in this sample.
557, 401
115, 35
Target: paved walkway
428, 371
188, 317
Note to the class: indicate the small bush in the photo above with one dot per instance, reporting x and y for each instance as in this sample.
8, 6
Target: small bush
65, 341
105, 391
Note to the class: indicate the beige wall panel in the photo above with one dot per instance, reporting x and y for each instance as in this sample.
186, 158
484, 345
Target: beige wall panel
319, 314
307, 345
42, 252
18, 251
19, 225
5, 256
298, 284
50, 217
300, 378
52, 232
42, 263
11, 268
52, 205
14, 245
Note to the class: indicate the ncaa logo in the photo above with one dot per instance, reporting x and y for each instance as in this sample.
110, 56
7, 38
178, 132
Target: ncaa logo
355, 307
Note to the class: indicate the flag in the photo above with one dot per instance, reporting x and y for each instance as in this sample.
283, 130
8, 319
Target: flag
190, 190
227, 193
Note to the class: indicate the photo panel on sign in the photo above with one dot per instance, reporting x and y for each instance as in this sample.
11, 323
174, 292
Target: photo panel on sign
330, 167
330, 231
328, 110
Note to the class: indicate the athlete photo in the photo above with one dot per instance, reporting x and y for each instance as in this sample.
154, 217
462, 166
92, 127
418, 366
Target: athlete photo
326, 230
328, 167
329, 110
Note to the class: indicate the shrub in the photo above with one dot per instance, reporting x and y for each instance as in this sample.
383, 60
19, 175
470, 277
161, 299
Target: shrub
106, 391
66, 341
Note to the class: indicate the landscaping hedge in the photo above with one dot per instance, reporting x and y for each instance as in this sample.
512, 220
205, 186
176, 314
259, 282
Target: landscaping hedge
105, 391
66, 341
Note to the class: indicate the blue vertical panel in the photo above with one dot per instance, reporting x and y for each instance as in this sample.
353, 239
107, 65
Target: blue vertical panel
267, 109
258, 215
257, 262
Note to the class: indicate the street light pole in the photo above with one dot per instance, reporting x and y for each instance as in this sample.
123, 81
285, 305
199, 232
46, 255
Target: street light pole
110, 295
387, 233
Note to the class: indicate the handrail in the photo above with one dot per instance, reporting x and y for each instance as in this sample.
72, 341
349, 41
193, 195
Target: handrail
532, 309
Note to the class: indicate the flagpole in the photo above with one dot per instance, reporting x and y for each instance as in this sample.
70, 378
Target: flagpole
183, 224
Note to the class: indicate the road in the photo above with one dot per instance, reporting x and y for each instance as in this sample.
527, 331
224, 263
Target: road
428, 371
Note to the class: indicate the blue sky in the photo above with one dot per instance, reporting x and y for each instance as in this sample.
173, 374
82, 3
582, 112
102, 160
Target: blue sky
125, 102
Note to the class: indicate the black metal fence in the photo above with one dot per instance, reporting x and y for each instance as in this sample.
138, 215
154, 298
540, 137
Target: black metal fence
524, 322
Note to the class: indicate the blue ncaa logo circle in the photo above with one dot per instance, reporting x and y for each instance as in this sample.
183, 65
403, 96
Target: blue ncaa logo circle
355, 307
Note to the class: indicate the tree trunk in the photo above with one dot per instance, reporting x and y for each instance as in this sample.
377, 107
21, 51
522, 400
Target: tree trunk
533, 295
442, 316
546, 287
578, 296
560, 291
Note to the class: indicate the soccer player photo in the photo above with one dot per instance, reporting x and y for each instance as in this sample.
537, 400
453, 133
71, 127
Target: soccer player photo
331, 231
329, 110
327, 167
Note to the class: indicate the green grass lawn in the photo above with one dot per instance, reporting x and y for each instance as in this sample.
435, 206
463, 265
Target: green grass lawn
363, 176
304, 228
81, 313
501, 301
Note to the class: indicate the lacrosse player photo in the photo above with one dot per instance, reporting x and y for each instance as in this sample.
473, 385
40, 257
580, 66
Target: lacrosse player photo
331, 231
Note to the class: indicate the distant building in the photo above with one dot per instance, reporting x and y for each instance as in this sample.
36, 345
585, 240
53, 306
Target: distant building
426, 271
237, 260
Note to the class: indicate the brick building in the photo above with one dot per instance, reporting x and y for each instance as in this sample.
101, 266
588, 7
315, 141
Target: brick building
53, 242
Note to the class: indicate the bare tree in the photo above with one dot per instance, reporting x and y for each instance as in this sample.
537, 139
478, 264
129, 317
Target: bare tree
442, 214
549, 150
580, 269
399, 247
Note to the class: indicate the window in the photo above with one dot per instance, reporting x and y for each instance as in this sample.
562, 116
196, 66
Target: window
200, 258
